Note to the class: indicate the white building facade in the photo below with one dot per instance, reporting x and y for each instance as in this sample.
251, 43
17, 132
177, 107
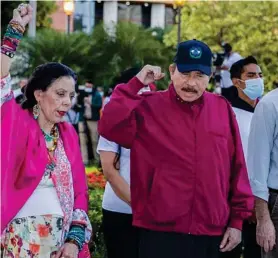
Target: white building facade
151, 14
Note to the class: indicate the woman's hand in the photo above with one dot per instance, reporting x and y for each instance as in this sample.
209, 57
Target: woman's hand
23, 14
68, 250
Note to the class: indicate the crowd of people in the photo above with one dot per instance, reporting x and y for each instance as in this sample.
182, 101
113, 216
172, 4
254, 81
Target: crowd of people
190, 174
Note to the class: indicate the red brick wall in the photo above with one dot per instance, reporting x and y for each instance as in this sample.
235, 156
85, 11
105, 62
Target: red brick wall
59, 18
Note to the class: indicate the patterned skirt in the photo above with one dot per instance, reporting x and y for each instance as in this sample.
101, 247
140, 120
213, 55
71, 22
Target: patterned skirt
34, 237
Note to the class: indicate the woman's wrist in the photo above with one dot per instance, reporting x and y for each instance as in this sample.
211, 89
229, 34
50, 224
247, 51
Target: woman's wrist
76, 235
12, 37
73, 241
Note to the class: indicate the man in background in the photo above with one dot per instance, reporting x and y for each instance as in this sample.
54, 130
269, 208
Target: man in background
230, 58
93, 105
248, 86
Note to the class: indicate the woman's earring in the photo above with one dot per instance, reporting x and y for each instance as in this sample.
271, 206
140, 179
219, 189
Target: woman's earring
36, 111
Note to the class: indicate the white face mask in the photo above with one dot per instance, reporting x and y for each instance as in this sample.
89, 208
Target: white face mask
254, 88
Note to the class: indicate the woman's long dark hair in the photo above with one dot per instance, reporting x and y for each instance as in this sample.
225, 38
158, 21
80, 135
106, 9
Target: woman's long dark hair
123, 78
42, 78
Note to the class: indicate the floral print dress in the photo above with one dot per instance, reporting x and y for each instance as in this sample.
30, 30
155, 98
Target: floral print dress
42, 236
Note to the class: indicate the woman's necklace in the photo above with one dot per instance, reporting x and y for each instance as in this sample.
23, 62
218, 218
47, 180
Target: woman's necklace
52, 137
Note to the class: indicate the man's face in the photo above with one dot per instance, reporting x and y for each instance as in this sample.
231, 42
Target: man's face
251, 71
88, 85
190, 85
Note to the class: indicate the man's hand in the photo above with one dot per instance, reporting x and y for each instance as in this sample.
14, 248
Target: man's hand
266, 234
231, 239
23, 14
150, 74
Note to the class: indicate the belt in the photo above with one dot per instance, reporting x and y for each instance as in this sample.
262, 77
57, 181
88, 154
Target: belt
273, 190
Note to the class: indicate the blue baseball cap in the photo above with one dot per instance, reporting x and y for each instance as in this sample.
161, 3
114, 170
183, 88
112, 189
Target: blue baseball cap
194, 55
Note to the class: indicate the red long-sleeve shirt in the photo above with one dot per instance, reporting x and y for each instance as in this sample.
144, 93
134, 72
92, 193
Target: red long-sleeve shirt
188, 172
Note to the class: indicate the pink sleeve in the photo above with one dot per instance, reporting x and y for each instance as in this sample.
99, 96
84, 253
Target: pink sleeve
118, 121
241, 197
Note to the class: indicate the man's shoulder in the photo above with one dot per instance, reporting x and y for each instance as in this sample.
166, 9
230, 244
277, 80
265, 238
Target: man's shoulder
271, 96
269, 100
217, 98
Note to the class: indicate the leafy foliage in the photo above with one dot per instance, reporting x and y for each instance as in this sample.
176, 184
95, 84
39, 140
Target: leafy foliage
250, 27
99, 57
131, 46
54, 46
96, 183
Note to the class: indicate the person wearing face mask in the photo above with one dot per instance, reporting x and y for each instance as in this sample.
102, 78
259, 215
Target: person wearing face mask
246, 76
190, 191
230, 58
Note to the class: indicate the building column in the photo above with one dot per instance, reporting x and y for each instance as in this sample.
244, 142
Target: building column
158, 16
110, 15
89, 19
32, 24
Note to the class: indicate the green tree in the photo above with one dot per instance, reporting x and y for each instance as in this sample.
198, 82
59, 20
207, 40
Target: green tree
44, 10
131, 46
51, 46
99, 57
250, 27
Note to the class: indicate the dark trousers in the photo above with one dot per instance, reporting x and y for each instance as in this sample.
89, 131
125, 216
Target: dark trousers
155, 244
89, 142
121, 238
248, 247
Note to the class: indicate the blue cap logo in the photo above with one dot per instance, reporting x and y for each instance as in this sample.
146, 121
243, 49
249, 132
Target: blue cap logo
195, 52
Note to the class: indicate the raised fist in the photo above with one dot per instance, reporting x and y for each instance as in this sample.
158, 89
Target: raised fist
150, 74
23, 14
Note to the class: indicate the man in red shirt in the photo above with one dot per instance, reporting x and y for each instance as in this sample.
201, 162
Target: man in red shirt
189, 186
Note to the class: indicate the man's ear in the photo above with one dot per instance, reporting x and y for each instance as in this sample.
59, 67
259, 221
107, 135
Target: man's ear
235, 82
172, 69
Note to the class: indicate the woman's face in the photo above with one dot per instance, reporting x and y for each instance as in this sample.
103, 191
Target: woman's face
56, 101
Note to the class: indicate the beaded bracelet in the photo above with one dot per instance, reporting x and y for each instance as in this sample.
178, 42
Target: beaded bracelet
12, 37
12, 43
14, 30
8, 52
77, 234
16, 25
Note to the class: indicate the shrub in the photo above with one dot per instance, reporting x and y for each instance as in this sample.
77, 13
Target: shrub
96, 184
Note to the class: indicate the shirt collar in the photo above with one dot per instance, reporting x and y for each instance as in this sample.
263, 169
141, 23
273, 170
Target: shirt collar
237, 102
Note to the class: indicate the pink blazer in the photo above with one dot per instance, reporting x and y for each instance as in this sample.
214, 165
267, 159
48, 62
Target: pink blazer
24, 158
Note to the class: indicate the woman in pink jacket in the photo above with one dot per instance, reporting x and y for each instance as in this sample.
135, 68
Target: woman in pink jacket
44, 197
